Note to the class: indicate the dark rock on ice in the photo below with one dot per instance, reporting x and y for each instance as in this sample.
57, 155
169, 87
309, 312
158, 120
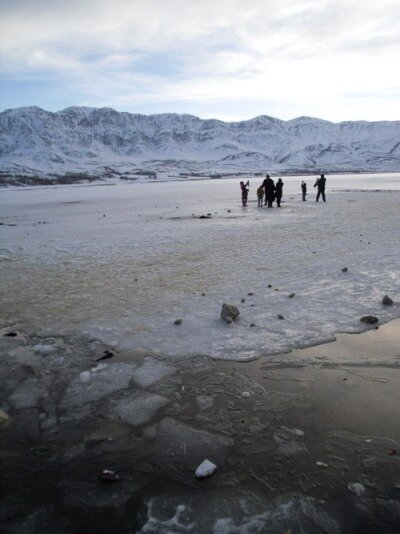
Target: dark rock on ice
291, 295
178, 321
229, 313
280, 316
11, 334
387, 301
344, 270
108, 477
369, 319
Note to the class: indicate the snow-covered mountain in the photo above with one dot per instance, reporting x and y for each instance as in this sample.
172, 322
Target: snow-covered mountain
103, 141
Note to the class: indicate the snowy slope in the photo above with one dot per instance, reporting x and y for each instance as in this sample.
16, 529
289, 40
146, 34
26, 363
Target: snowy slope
80, 139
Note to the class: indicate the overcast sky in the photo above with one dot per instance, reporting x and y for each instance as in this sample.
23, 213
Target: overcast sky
228, 59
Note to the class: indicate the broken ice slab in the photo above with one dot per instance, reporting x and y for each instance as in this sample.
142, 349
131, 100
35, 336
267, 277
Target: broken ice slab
204, 401
100, 382
140, 409
288, 440
44, 350
27, 394
152, 371
205, 469
179, 442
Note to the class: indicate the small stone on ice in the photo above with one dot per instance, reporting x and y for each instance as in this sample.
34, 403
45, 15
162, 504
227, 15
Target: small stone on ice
108, 477
369, 319
280, 316
344, 270
291, 295
205, 469
245, 394
229, 313
178, 321
387, 301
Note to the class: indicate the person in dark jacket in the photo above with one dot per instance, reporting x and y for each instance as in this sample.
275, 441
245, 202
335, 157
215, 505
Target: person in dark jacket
320, 183
304, 190
279, 192
269, 188
245, 191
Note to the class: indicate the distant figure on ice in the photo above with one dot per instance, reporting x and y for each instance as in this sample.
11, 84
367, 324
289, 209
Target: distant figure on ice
260, 196
320, 183
269, 188
304, 190
245, 191
279, 192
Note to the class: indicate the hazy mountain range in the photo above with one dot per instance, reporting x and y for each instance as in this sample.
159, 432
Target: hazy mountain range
35, 142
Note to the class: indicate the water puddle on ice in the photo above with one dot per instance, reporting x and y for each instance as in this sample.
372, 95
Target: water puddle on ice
306, 441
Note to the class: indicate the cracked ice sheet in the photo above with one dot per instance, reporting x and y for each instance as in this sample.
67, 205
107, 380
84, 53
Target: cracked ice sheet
126, 277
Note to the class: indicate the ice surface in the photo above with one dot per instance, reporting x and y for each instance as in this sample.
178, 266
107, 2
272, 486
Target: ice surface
237, 513
44, 350
179, 442
140, 409
356, 488
152, 371
126, 277
204, 401
289, 441
27, 394
100, 382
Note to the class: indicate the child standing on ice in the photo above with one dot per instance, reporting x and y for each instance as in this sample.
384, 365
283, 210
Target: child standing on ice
260, 196
304, 190
245, 191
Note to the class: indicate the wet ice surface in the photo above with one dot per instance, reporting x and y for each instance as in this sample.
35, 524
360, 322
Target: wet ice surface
306, 441
122, 262
313, 447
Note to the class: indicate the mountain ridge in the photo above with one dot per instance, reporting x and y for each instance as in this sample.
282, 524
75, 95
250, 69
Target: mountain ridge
100, 141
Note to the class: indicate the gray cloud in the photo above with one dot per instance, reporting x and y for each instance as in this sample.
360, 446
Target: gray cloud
141, 51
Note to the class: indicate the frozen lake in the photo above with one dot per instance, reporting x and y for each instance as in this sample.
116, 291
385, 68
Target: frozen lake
303, 441
121, 262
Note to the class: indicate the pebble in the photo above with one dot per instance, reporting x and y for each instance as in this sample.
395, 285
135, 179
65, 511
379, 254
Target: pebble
108, 476
178, 321
291, 295
369, 319
387, 301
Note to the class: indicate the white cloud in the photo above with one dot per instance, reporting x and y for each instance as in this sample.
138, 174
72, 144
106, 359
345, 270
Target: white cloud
295, 56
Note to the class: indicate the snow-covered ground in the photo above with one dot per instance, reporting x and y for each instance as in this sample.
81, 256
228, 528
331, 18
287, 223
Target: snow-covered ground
121, 262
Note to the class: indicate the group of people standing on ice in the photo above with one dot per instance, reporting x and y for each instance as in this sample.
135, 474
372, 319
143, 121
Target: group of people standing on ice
270, 191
